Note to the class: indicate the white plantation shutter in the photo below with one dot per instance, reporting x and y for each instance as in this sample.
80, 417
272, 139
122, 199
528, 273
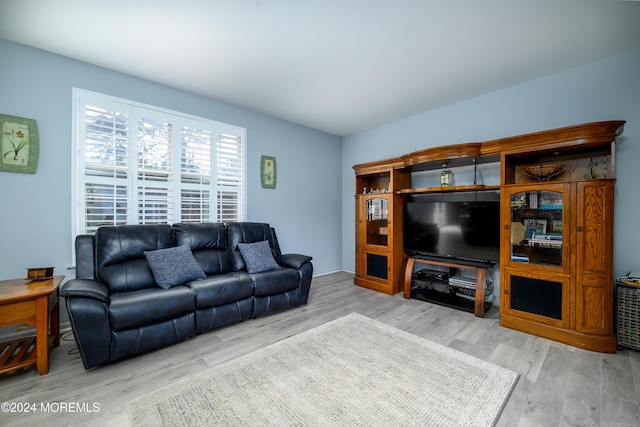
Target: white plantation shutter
196, 205
230, 174
104, 165
136, 164
106, 142
154, 153
195, 162
196, 174
105, 205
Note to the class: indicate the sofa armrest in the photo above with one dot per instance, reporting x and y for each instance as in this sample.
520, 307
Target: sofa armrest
292, 260
85, 288
87, 306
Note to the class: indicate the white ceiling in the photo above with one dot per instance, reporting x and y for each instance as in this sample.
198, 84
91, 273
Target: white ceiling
341, 66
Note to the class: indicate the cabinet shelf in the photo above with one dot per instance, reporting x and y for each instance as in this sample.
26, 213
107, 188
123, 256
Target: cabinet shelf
459, 188
447, 299
543, 209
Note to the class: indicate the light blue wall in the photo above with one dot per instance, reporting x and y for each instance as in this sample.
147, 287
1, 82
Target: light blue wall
35, 210
313, 206
604, 90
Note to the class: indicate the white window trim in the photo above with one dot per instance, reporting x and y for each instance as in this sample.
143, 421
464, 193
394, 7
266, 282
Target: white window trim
81, 97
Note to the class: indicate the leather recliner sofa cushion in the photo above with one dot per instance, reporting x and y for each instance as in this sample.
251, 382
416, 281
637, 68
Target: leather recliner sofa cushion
219, 290
120, 261
148, 306
275, 281
209, 244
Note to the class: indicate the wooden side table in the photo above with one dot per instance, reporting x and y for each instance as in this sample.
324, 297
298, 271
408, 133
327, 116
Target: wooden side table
35, 303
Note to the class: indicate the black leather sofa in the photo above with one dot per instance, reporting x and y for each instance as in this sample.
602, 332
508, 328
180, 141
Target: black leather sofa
117, 308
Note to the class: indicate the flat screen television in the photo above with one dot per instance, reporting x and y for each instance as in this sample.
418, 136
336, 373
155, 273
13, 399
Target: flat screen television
462, 226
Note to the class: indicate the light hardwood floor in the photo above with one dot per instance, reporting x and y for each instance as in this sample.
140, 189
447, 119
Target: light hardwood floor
559, 385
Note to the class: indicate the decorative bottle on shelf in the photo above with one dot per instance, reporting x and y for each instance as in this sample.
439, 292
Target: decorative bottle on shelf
446, 177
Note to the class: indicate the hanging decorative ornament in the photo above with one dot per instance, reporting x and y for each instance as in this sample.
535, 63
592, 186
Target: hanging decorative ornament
446, 177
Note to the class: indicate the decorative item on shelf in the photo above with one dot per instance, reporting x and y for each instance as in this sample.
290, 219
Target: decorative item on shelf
376, 190
39, 273
589, 167
534, 226
519, 201
556, 224
446, 177
543, 173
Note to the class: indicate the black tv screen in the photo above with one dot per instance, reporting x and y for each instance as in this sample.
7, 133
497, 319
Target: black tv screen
460, 226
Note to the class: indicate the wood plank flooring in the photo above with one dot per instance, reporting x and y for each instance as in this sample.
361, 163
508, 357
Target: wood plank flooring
559, 385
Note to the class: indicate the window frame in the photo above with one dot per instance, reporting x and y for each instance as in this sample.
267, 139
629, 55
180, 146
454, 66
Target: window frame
82, 98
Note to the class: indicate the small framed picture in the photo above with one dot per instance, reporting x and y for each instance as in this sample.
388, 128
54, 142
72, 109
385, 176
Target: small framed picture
557, 226
19, 144
534, 226
268, 172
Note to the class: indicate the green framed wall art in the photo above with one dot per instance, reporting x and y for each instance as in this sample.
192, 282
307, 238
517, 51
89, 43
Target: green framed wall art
268, 172
19, 144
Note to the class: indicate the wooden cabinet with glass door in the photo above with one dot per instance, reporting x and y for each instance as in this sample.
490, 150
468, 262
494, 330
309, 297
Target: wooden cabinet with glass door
379, 251
535, 260
557, 269
557, 238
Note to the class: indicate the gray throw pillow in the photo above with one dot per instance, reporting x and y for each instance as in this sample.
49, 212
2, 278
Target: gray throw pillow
258, 257
174, 266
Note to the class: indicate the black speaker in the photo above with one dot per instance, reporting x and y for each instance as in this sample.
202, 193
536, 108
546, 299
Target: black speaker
377, 266
536, 296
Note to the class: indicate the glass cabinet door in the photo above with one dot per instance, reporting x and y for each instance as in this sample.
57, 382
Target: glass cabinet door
536, 227
377, 223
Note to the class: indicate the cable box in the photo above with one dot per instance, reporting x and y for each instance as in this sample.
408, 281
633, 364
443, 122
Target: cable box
462, 282
426, 274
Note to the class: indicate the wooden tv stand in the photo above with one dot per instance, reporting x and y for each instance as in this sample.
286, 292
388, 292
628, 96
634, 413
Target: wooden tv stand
481, 279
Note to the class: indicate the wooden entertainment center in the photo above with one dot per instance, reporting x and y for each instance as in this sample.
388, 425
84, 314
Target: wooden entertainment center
556, 226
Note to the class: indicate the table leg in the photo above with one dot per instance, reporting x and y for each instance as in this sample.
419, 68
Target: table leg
408, 273
42, 334
481, 282
55, 319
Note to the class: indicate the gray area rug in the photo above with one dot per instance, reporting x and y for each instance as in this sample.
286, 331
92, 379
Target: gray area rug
353, 371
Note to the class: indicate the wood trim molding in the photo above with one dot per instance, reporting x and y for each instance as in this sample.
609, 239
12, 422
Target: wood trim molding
444, 153
587, 135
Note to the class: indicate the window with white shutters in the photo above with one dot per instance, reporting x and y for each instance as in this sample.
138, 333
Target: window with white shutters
137, 164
